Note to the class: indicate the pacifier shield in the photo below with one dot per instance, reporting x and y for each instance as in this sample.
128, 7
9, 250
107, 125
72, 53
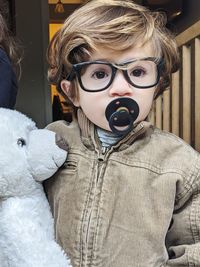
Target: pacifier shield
121, 114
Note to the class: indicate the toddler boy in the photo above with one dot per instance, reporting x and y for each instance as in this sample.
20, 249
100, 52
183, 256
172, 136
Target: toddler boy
128, 194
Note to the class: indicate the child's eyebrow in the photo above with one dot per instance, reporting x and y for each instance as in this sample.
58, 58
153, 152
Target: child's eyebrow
101, 59
107, 60
120, 62
117, 62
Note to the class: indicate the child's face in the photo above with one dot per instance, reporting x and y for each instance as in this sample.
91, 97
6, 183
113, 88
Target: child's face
94, 104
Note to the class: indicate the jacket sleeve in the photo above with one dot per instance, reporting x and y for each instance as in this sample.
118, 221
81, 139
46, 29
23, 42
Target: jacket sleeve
8, 82
183, 237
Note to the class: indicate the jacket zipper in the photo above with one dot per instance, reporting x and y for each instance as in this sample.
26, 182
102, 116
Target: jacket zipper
104, 150
102, 154
101, 157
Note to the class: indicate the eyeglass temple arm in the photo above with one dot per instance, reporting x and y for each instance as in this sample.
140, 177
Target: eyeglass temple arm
71, 75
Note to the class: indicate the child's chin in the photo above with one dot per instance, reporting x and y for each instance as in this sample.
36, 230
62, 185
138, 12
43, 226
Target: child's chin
104, 127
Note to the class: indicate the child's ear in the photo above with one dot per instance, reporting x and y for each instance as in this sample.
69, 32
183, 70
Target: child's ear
66, 88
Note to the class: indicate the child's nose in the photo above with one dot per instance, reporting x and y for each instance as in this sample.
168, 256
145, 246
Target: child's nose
120, 86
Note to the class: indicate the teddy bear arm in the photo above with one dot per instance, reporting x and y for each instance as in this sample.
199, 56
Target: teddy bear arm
26, 237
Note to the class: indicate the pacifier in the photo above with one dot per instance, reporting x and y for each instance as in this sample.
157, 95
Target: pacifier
121, 114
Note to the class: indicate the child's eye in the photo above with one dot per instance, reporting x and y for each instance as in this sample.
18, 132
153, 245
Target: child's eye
138, 72
99, 75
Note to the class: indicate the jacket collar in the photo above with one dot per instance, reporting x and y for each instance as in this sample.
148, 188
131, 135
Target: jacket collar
88, 132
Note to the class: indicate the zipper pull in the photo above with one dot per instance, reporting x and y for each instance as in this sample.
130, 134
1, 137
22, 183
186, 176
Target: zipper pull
104, 150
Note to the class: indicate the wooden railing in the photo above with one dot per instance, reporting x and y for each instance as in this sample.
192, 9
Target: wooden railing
178, 109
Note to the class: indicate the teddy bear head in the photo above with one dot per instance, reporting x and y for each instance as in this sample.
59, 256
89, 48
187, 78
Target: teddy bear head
28, 155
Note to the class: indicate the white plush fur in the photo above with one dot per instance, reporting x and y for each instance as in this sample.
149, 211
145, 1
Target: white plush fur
27, 157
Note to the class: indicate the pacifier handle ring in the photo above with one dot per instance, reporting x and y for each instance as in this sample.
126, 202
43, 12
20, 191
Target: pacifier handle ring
122, 112
113, 127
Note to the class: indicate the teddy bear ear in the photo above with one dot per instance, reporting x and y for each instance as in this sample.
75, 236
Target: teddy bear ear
17, 118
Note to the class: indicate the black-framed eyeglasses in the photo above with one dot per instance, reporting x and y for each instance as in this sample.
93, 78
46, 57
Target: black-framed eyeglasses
95, 76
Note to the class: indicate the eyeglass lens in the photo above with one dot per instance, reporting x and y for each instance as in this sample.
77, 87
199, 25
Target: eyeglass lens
142, 73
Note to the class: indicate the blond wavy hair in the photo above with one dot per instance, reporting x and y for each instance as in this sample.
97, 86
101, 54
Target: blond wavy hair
112, 24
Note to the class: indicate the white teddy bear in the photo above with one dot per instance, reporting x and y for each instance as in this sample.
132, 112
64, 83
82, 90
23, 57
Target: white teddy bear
28, 156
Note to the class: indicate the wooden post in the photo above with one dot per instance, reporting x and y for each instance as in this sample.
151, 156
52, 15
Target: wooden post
175, 103
186, 82
197, 94
166, 110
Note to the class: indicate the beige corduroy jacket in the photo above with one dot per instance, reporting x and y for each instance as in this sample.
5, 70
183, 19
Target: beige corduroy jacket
134, 205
